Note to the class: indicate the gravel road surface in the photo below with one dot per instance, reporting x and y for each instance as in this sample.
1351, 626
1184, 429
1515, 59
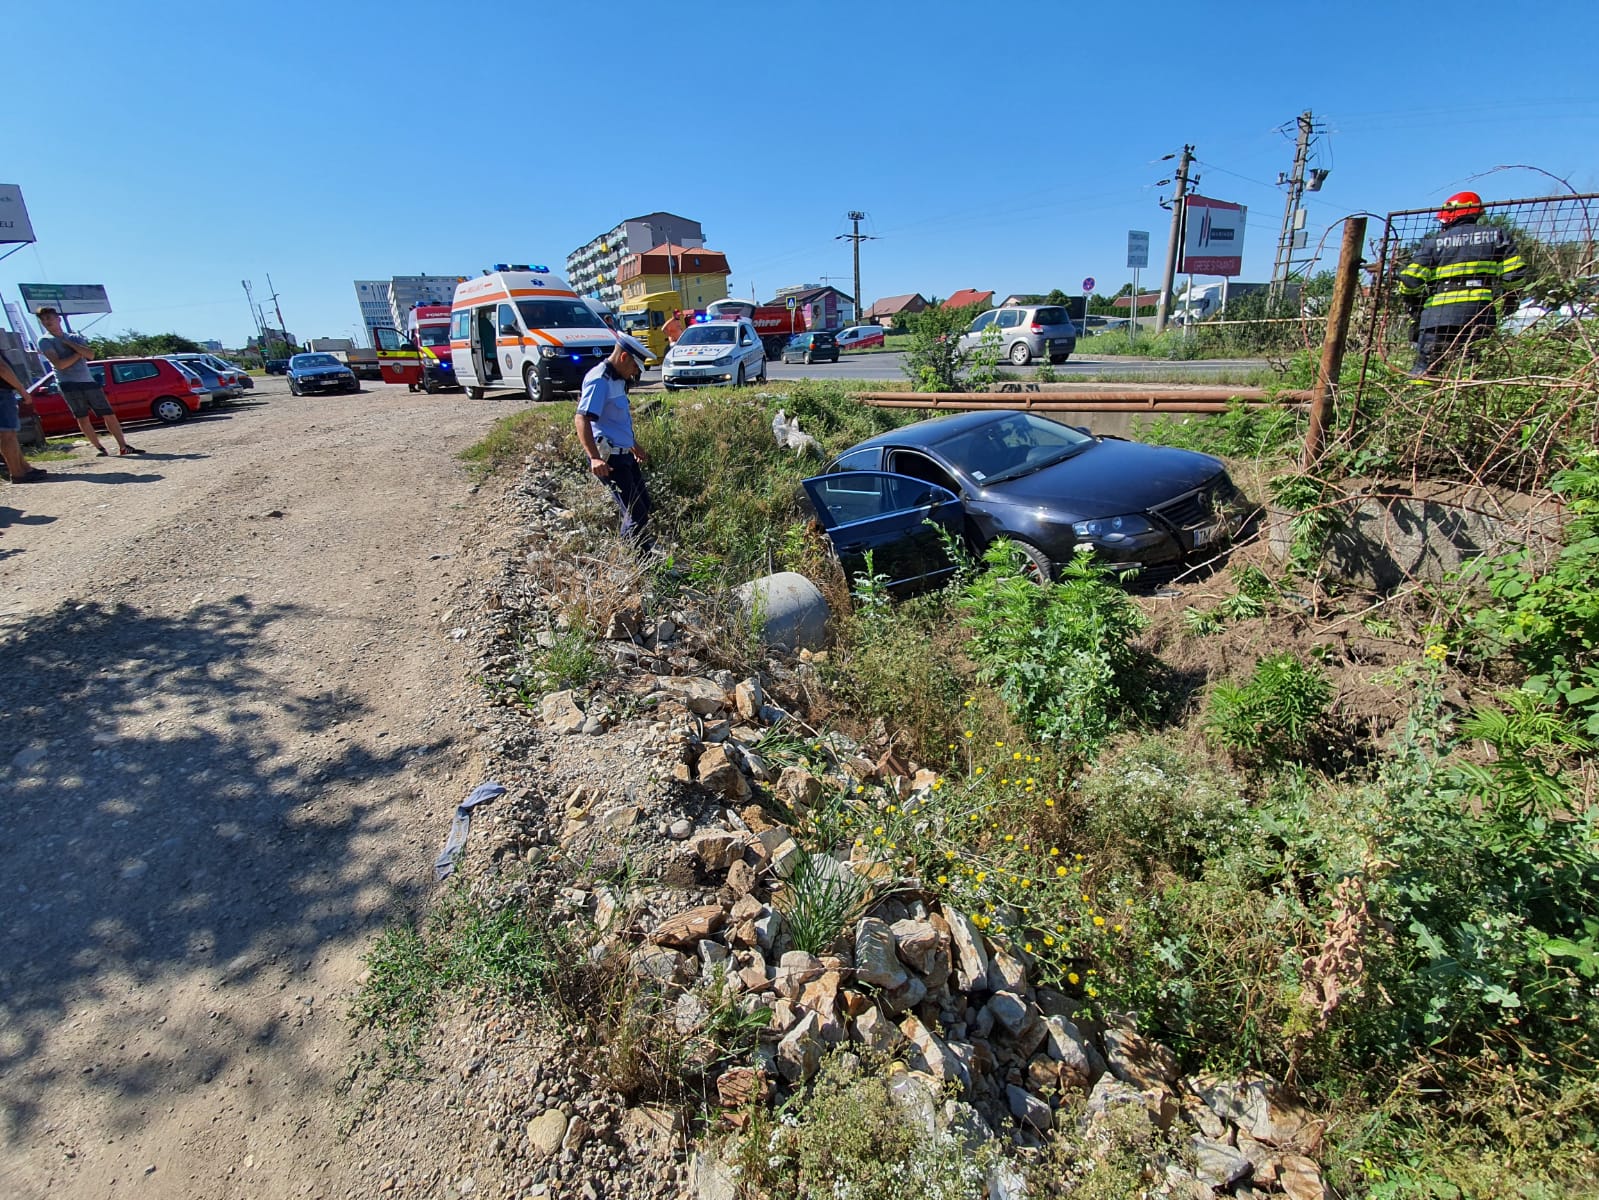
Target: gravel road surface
231, 738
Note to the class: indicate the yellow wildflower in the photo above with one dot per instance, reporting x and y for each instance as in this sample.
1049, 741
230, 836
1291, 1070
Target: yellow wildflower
1071, 978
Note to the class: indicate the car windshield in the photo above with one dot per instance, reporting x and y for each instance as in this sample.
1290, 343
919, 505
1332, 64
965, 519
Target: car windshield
634, 321
434, 335
557, 314
1012, 446
707, 335
313, 360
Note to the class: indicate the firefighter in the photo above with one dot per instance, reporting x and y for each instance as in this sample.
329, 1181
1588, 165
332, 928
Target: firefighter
1450, 284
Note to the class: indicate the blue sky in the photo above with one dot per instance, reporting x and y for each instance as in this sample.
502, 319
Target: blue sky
170, 150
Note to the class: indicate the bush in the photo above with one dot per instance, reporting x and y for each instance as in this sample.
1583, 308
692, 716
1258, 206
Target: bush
1276, 716
850, 1139
933, 359
1061, 654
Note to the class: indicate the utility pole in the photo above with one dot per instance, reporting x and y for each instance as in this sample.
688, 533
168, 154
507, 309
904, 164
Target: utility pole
283, 331
1282, 266
855, 238
1174, 242
255, 316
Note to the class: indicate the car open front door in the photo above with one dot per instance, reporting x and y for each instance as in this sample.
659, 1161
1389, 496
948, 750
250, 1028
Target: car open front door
892, 517
398, 359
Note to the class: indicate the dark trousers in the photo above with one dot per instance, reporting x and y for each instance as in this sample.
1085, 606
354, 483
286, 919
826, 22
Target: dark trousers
1437, 344
626, 482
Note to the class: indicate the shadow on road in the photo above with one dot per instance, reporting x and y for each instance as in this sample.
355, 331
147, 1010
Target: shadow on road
130, 862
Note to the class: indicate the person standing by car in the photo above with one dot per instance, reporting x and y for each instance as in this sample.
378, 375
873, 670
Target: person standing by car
11, 389
1451, 280
69, 355
604, 423
674, 328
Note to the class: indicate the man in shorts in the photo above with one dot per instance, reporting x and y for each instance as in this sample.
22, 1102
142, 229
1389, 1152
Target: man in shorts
18, 467
69, 355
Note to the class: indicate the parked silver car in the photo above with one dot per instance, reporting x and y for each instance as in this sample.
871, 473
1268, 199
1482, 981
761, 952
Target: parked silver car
1026, 332
222, 386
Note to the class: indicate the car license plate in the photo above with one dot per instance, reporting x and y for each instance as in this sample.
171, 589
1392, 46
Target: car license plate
1206, 534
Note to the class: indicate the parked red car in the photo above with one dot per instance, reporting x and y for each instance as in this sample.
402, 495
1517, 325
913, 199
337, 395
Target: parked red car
139, 389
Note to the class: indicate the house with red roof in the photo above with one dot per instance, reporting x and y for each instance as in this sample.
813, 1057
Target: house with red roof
967, 297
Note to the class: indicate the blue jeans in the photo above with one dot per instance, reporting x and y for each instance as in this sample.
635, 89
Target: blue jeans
626, 482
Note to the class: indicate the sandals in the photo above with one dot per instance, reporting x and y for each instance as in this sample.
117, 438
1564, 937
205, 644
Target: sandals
129, 450
101, 452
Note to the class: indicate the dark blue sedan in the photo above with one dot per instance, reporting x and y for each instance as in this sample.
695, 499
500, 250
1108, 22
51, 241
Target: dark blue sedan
1046, 486
310, 373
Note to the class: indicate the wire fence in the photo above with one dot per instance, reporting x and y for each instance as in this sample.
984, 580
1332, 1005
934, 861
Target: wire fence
1507, 412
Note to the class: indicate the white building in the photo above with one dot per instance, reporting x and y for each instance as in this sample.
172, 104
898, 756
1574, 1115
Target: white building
591, 268
373, 296
407, 291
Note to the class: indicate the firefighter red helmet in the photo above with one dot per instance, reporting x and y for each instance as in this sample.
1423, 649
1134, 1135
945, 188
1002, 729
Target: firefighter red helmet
1461, 204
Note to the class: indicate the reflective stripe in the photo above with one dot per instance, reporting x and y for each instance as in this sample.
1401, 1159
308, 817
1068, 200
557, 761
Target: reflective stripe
1461, 296
1512, 264
1462, 269
1413, 279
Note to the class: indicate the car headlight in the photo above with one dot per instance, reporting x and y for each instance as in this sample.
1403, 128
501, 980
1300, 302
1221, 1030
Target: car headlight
1111, 529
548, 352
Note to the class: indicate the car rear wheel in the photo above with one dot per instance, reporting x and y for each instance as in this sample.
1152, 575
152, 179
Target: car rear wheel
531, 384
169, 410
808, 360
1021, 354
474, 393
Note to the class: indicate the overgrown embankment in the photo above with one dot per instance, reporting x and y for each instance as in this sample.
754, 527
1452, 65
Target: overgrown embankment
1337, 840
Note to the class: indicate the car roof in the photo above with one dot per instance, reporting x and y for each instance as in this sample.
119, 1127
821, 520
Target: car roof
937, 429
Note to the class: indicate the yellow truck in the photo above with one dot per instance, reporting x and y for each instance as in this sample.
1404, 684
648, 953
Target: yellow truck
646, 318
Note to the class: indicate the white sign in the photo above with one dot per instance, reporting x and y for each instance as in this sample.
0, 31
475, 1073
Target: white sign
14, 223
1137, 249
68, 299
1213, 237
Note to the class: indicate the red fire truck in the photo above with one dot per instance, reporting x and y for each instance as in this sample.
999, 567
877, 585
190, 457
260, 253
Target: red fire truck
774, 324
421, 358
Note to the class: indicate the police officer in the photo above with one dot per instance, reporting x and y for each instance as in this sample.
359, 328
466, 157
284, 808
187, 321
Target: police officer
604, 423
1451, 280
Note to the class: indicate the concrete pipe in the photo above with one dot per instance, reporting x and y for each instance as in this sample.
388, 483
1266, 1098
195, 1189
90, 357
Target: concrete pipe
790, 609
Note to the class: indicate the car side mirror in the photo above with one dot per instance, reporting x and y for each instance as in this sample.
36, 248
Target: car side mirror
409, 344
509, 331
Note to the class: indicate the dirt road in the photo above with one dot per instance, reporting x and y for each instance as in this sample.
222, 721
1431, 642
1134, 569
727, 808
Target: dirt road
231, 738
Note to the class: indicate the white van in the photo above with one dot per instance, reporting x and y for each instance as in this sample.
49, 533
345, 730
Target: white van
523, 327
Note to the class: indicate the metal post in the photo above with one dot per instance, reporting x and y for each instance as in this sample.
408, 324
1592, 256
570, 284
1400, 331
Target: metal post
1282, 267
1132, 325
1345, 285
1174, 242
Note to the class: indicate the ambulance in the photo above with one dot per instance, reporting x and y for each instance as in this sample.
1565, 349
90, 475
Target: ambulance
520, 326
420, 358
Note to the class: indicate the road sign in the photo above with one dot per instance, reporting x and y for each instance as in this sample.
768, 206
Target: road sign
791, 304
1137, 249
68, 299
1088, 284
1213, 237
14, 224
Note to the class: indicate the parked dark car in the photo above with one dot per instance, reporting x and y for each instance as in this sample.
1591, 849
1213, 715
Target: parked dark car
811, 347
1046, 486
318, 372
276, 366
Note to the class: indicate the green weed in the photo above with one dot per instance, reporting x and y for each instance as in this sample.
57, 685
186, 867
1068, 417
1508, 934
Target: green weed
1275, 716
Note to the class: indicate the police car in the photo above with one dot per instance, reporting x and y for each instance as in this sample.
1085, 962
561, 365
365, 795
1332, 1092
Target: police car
715, 352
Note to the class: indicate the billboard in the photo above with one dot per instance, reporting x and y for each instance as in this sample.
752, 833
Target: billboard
1213, 237
68, 299
14, 223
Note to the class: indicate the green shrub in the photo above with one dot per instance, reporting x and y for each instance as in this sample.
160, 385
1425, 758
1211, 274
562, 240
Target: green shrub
819, 899
1243, 431
849, 1138
934, 360
1062, 655
1277, 715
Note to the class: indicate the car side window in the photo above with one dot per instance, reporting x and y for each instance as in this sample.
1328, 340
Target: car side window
461, 325
128, 372
1010, 318
99, 375
505, 320
869, 459
919, 466
858, 496
981, 323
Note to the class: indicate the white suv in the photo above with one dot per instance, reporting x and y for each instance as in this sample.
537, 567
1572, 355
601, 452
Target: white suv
725, 351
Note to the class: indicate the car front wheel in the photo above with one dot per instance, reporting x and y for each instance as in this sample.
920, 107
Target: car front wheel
294, 388
169, 410
531, 383
1020, 354
1038, 566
